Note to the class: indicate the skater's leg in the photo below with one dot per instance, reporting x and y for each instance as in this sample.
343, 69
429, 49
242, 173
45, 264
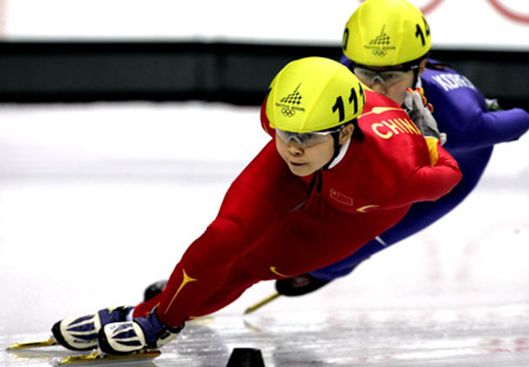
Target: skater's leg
316, 235
252, 204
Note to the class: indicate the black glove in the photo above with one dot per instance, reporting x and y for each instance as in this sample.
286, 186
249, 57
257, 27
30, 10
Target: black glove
299, 285
153, 290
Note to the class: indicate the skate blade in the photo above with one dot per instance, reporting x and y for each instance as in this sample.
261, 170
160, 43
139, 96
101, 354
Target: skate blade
38, 344
262, 303
100, 357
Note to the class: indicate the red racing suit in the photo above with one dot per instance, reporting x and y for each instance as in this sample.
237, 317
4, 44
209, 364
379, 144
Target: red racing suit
273, 224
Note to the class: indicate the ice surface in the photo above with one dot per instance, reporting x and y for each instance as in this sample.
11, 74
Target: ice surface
99, 200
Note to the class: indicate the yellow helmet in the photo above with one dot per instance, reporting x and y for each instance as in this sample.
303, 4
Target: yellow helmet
386, 33
314, 94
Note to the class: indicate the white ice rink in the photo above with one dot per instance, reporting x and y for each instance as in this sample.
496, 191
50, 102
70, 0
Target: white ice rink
99, 200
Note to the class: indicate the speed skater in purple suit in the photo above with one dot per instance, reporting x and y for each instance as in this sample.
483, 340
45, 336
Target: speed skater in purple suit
460, 109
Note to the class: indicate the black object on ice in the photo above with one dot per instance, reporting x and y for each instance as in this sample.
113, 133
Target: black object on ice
246, 357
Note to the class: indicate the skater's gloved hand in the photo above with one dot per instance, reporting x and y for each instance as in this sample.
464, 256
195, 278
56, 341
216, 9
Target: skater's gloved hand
420, 113
299, 285
492, 104
153, 290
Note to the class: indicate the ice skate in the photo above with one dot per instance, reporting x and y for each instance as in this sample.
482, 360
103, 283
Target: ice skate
80, 333
142, 333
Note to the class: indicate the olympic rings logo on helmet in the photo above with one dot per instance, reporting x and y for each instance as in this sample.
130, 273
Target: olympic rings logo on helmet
288, 112
379, 52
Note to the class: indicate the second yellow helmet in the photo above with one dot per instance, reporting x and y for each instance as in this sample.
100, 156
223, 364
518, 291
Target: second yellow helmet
386, 33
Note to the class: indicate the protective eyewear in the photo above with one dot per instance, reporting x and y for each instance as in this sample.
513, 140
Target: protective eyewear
305, 140
386, 77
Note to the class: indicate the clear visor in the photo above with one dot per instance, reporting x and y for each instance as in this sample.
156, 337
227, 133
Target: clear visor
305, 140
385, 77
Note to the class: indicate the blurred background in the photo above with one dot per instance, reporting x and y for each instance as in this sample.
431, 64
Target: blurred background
228, 51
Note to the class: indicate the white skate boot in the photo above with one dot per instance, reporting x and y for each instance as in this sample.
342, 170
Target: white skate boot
141, 333
81, 332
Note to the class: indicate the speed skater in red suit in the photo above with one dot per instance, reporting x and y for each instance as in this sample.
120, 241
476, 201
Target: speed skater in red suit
344, 164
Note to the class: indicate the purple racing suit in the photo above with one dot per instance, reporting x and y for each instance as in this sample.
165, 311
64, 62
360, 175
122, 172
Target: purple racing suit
461, 112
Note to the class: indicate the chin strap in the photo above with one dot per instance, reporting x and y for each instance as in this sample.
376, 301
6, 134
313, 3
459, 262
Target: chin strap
415, 79
317, 179
336, 138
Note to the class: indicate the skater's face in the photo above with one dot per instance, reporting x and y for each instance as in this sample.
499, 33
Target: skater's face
305, 159
391, 82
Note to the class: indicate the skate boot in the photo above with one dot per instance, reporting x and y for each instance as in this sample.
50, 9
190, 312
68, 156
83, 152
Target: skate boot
121, 338
80, 332
299, 285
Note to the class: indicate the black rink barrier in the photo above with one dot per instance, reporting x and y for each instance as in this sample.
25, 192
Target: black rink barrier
235, 73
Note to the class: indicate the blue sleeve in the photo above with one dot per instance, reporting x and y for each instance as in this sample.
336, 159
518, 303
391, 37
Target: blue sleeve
504, 126
461, 112
344, 60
